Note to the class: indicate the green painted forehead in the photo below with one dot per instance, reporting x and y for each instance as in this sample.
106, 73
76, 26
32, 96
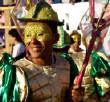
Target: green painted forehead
34, 27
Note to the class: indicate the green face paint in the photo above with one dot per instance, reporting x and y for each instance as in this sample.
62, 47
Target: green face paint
76, 38
38, 31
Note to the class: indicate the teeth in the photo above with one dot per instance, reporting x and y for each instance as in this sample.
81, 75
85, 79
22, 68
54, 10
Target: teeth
34, 49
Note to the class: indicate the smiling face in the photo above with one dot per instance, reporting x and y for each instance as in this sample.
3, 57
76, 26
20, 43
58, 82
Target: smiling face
38, 39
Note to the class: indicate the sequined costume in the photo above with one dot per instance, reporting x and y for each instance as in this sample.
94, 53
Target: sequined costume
47, 83
48, 74
93, 86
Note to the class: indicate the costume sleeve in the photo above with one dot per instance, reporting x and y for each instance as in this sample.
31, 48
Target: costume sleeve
11, 79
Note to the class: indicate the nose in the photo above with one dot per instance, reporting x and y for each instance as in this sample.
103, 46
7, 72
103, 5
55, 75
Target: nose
34, 41
36, 36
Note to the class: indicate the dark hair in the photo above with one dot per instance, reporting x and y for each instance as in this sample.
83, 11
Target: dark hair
14, 33
53, 27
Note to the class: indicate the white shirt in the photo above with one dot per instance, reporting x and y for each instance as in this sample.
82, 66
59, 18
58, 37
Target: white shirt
18, 49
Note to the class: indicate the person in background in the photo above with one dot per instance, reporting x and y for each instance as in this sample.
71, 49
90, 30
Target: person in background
75, 42
75, 51
77, 54
18, 47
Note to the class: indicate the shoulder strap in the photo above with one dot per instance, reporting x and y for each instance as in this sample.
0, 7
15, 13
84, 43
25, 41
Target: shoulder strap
73, 67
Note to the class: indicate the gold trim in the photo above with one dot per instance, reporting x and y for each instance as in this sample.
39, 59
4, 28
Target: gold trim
5, 27
7, 8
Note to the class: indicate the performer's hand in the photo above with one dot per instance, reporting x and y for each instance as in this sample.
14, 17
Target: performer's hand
77, 91
77, 94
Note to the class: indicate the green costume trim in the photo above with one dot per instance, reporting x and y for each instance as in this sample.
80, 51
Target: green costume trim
100, 70
9, 91
64, 39
99, 66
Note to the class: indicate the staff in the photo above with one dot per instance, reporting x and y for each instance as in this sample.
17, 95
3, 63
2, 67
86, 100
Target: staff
78, 79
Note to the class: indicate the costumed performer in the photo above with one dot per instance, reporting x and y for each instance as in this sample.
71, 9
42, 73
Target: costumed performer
48, 74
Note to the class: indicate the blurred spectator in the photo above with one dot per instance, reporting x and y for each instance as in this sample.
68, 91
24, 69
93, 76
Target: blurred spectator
75, 51
18, 47
75, 42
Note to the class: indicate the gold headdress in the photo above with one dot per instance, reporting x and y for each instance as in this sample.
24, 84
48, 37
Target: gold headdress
41, 12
